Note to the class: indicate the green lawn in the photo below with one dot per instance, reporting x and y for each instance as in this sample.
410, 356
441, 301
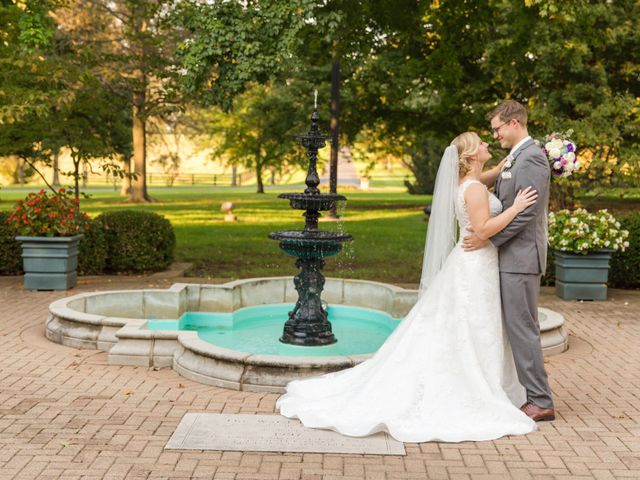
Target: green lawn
387, 226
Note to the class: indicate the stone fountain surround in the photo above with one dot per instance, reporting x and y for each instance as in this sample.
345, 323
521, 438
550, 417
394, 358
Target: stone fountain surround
115, 322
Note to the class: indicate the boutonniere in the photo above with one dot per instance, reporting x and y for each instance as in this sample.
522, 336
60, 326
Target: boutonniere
506, 174
509, 163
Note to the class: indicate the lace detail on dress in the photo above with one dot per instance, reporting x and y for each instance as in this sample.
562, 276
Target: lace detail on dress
447, 360
495, 206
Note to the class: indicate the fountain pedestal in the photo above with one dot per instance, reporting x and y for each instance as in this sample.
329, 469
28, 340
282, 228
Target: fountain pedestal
308, 324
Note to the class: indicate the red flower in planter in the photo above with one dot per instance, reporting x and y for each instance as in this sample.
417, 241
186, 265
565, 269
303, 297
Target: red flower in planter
50, 215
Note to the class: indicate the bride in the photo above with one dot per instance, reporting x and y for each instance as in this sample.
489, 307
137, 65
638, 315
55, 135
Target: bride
446, 373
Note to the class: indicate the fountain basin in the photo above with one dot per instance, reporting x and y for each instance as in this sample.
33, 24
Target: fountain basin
312, 244
320, 201
118, 322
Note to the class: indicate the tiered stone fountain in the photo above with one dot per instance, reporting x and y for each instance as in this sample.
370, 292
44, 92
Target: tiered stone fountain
308, 324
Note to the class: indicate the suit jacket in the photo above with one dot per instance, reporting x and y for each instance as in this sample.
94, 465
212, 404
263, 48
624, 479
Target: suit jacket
522, 245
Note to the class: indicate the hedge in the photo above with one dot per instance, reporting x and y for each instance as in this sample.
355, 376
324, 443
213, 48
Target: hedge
624, 271
137, 241
92, 251
10, 249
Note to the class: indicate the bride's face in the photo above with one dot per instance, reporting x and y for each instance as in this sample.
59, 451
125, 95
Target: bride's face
483, 154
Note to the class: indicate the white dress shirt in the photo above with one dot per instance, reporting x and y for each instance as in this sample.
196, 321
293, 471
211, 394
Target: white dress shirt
519, 144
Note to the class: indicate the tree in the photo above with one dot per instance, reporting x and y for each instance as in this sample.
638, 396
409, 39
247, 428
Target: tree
574, 64
232, 44
259, 132
93, 126
334, 45
169, 134
599, 94
82, 115
131, 46
32, 83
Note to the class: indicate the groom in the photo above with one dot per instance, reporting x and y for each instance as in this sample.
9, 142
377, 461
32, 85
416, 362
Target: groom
522, 247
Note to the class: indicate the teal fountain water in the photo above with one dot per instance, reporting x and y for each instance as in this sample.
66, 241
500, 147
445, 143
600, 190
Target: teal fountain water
256, 329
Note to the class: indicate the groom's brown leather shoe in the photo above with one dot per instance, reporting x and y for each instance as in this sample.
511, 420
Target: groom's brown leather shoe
538, 414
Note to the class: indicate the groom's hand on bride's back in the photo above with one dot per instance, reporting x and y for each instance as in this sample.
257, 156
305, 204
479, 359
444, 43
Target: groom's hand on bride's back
473, 242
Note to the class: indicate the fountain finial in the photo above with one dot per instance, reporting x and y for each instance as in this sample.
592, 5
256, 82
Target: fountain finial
313, 141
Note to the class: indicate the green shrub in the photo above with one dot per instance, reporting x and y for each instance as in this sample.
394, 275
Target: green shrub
137, 241
10, 249
624, 271
92, 252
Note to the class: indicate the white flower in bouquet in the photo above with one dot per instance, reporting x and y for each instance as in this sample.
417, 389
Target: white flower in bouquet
554, 153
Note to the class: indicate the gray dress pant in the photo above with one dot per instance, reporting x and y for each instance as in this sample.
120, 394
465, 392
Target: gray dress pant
520, 294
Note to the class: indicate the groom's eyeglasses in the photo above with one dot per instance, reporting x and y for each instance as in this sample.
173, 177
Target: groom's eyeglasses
497, 129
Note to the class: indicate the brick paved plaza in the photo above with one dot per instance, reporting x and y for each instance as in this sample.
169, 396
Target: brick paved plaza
67, 414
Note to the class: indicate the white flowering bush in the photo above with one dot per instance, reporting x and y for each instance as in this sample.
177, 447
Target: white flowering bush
579, 231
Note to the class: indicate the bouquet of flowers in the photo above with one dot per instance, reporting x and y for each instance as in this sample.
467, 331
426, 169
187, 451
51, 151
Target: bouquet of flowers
43, 215
561, 153
579, 231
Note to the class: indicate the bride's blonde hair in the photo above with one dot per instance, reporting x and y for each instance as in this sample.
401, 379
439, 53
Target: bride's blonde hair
467, 144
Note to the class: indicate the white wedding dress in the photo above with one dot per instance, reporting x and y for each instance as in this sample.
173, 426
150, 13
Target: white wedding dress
446, 373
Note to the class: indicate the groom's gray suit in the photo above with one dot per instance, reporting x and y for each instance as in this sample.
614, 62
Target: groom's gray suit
522, 248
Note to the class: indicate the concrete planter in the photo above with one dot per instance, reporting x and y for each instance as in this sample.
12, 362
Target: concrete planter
50, 263
582, 276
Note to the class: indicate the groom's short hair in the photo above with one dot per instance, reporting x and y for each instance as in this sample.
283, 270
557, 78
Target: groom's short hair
508, 110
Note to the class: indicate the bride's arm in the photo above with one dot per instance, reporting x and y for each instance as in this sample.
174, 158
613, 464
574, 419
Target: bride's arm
489, 177
485, 226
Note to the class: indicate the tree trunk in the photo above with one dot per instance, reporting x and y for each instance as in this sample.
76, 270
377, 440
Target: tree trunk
85, 175
126, 180
139, 184
273, 176
21, 172
56, 169
76, 178
335, 117
259, 183
234, 175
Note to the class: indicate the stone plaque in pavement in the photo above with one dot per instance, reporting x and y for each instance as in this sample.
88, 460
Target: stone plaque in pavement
271, 433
